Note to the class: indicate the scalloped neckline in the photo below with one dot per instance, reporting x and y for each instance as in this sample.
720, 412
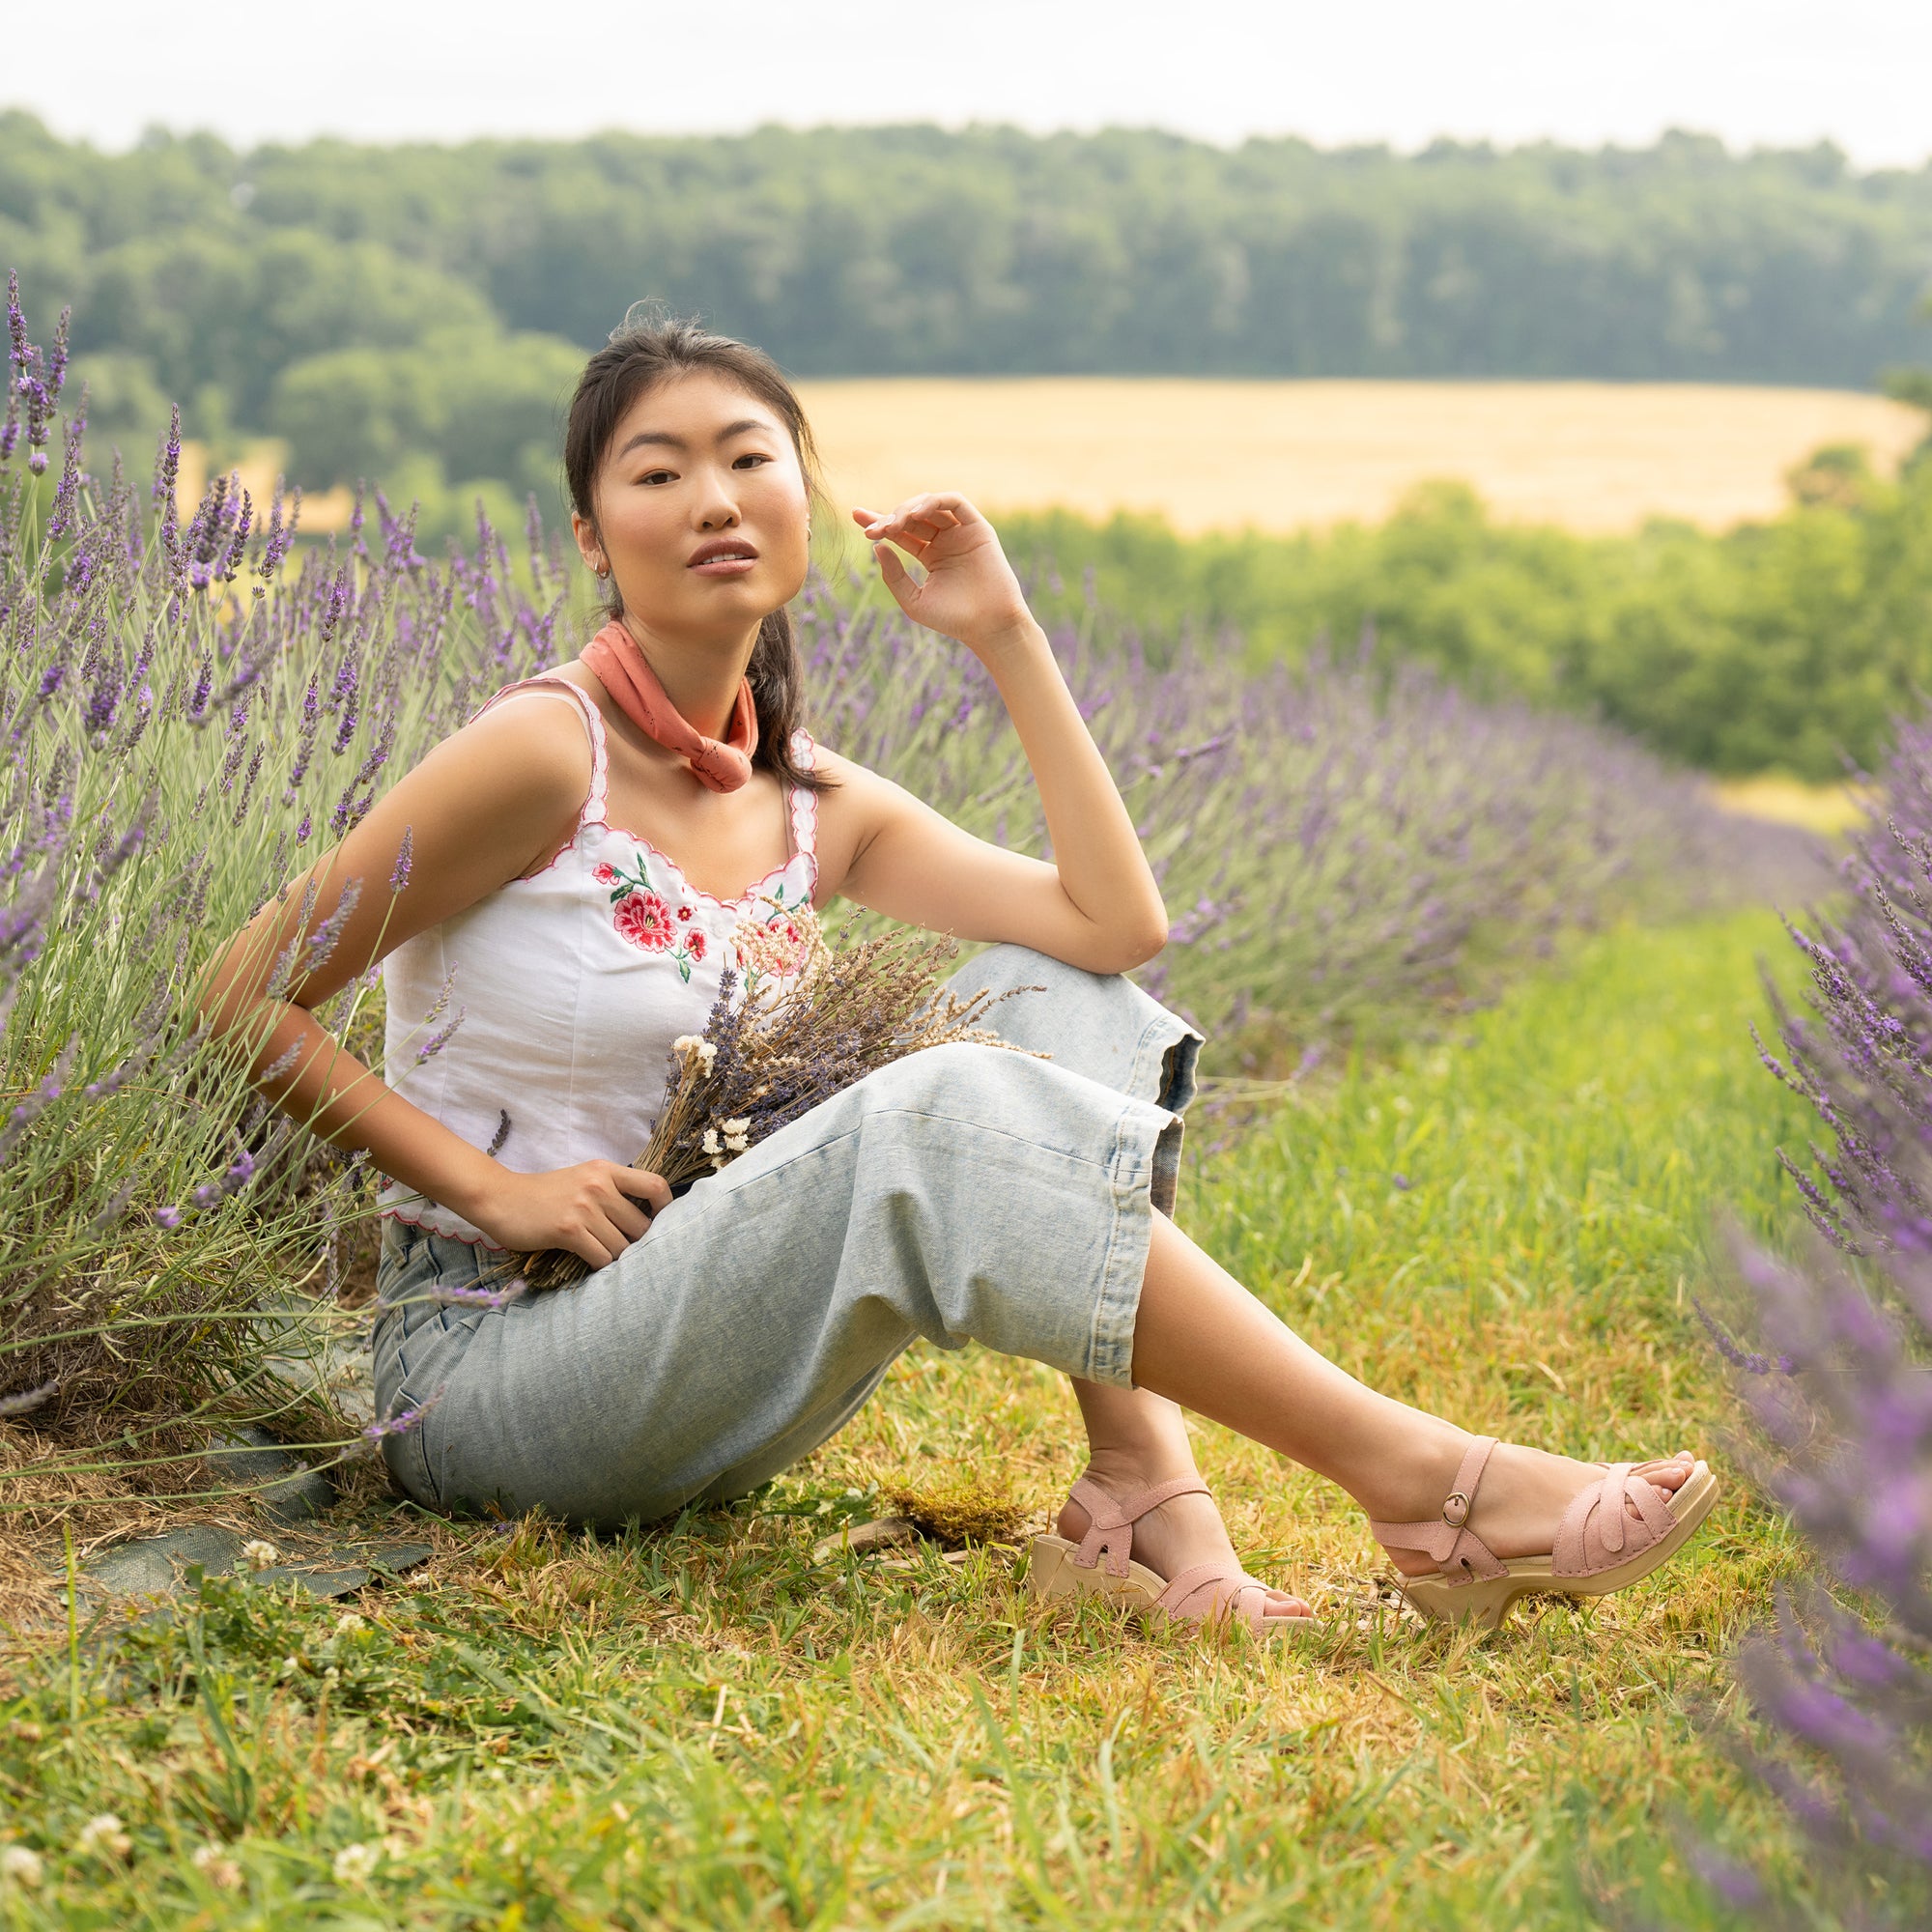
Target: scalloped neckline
697, 892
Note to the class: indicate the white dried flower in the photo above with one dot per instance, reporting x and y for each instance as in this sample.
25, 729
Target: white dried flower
705, 1050
260, 1554
20, 1867
354, 1864
740, 1127
349, 1623
710, 1143
215, 1864
104, 1838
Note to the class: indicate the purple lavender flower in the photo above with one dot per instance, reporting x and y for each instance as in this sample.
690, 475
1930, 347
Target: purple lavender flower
167, 1219
450, 1295
400, 877
434, 1044
402, 1421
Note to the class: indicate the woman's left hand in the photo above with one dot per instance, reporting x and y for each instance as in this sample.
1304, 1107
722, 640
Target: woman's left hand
969, 591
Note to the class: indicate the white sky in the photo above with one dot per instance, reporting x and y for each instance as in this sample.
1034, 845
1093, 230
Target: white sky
1754, 71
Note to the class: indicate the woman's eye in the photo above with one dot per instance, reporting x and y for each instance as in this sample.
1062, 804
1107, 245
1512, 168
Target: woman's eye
750, 458
658, 476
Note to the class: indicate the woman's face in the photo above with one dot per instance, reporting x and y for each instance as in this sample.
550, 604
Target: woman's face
701, 510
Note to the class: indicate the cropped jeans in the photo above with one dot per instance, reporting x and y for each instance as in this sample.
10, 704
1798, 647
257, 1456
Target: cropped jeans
963, 1194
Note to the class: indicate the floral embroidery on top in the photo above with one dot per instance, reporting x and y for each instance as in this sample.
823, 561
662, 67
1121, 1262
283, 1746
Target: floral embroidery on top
773, 941
643, 916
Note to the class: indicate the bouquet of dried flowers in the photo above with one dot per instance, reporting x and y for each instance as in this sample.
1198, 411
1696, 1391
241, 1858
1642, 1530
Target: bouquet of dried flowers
789, 1044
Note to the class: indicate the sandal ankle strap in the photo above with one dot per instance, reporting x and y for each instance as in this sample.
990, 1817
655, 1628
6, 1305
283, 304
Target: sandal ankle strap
1108, 1520
1448, 1541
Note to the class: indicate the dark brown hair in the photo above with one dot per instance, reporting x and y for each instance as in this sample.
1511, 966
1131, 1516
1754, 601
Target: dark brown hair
651, 349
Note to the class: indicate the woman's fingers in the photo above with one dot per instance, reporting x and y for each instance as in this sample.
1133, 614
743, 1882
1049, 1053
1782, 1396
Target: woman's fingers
652, 1188
892, 567
920, 518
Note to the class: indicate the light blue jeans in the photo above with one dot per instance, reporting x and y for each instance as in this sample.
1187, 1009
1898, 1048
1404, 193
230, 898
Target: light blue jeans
963, 1194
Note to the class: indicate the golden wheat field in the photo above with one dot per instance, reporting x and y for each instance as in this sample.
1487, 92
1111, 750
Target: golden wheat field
1284, 456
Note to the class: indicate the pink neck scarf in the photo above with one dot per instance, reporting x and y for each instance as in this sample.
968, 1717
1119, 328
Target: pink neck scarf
623, 671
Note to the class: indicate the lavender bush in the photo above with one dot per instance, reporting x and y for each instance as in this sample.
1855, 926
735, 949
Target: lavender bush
193, 709
185, 728
1844, 1390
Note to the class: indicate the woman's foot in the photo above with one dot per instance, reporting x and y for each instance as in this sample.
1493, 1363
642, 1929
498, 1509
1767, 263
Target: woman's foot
1522, 1498
1176, 1536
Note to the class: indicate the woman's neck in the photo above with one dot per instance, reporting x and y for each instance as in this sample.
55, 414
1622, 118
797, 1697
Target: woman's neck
700, 680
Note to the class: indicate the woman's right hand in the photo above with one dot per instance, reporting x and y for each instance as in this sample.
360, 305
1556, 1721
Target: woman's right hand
596, 1209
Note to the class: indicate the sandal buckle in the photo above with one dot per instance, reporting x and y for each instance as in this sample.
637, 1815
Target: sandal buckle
1455, 1511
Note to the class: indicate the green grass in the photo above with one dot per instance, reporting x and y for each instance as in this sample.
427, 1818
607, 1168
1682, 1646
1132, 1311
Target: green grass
700, 1725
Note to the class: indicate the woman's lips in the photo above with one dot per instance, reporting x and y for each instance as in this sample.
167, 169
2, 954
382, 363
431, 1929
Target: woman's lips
724, 557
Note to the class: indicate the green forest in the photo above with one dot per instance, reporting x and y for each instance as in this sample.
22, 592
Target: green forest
363, 302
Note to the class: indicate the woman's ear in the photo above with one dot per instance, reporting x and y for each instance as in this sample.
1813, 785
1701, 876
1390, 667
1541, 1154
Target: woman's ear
588, 548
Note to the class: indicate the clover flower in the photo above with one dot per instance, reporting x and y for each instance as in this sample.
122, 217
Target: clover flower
215, 1864
20, 1867
356, 1865
103, 1836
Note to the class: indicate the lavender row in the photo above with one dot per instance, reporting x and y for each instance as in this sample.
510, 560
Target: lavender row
1341, 851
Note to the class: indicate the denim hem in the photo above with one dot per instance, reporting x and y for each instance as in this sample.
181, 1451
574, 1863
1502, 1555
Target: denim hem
1110, 1346
1164, 1061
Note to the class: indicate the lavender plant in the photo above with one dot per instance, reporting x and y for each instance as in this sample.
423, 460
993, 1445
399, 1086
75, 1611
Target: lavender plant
188, 719
1843, 1393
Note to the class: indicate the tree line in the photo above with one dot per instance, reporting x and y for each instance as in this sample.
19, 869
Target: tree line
370, 302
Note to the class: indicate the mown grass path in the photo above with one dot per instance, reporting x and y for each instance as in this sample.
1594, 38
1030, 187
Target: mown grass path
698, 1726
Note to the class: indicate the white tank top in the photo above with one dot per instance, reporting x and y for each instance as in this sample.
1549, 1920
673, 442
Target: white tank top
571, 985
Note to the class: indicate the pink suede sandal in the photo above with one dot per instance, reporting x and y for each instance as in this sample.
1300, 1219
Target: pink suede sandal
1205, 1593
1599, 1546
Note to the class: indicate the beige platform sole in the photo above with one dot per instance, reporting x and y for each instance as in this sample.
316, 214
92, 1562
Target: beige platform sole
1487, 1600
1053, 1576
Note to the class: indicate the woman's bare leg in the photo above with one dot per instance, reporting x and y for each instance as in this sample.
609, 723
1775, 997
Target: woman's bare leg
1202, 1340
1135, 1440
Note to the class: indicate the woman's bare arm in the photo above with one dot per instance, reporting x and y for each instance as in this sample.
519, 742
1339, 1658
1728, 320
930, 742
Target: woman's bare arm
1096, 905
482, 807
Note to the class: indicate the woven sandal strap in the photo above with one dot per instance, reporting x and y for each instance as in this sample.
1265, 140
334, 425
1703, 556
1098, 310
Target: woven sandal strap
1448, 1541
1108, 1520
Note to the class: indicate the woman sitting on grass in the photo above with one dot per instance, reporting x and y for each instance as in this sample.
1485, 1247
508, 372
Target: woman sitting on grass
571, 871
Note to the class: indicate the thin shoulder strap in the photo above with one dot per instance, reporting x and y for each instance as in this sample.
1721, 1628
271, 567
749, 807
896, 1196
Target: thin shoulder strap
805, 803
547, 686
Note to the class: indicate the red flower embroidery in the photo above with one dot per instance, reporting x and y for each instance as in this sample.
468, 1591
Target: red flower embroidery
694, 942
683, 912
644, 920
604, 873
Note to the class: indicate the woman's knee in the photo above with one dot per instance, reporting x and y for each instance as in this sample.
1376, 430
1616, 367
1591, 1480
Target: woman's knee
963, 1077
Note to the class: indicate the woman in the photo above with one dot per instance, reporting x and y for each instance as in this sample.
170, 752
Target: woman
572, 868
